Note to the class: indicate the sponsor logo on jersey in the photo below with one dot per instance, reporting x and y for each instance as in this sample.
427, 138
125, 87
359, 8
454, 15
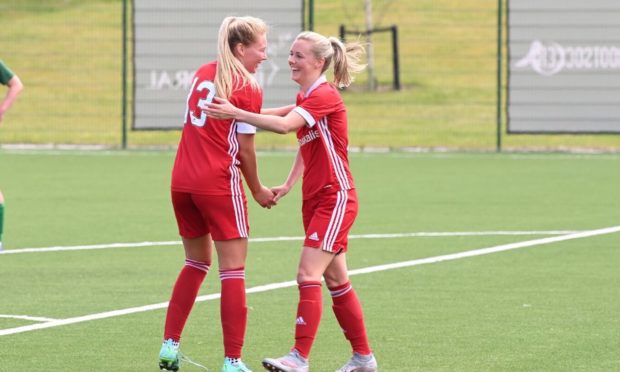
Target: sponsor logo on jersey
311, 136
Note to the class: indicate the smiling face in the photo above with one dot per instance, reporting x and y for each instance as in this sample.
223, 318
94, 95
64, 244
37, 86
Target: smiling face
305, 67
252, 55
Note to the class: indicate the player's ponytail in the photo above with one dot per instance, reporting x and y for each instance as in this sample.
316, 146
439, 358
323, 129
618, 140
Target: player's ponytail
231, 74
346, 61
345, 56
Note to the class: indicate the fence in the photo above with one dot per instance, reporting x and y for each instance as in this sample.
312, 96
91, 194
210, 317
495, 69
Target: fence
69, 54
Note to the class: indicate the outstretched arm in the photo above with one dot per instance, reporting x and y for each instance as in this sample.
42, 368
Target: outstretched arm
222, 109
15, 87
277, 111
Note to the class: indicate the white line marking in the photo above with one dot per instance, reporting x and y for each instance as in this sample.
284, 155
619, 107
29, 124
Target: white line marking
483, 251
27, 317
288, 238
269, 287
88, 247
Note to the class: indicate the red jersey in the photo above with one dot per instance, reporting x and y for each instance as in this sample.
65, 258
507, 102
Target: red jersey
206, 161
324, 140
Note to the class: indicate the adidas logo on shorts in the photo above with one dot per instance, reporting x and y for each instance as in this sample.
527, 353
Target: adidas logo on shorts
314, 236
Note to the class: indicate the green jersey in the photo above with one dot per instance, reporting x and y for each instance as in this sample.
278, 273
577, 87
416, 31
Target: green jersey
5, 73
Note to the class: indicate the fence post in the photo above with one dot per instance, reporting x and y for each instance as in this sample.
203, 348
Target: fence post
498, 146
311, 15
124, 80
395, 57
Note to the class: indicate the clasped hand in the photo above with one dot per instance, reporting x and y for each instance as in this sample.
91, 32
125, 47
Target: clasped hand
268, 198
265, 197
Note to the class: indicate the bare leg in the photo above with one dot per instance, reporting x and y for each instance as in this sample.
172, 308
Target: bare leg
199, 249
231, 254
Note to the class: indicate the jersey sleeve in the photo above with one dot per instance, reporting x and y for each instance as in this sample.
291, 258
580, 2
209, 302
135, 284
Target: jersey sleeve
317, 106
5, 74
245, 128
250, 100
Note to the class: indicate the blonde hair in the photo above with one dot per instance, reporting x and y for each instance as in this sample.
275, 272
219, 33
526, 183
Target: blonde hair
345, 56
231, 74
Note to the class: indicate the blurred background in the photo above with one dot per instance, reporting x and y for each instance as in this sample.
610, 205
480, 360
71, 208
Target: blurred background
75, 58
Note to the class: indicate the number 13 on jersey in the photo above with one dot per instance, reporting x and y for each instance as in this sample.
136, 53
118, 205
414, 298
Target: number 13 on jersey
200, 94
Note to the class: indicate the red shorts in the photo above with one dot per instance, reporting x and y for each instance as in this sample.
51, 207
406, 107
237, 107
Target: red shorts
224, 217
328, 218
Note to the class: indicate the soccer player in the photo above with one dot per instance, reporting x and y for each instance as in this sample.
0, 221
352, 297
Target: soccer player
329, 199
207, 192
8, 78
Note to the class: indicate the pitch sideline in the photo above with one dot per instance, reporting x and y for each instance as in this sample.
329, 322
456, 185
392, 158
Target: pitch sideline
287, 238
371, 269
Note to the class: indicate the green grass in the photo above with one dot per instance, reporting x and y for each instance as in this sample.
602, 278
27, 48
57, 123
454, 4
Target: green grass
549, 307
69, 55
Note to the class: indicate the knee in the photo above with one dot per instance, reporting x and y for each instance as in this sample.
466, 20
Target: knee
202, 258
331, 283
307, 276
335, 280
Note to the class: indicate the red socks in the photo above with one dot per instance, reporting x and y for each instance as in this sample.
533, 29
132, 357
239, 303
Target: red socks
309, 312
233, 311
183, 296
348, 311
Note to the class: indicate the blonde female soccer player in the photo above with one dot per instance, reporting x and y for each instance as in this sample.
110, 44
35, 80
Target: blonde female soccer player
207, 192
329, 199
